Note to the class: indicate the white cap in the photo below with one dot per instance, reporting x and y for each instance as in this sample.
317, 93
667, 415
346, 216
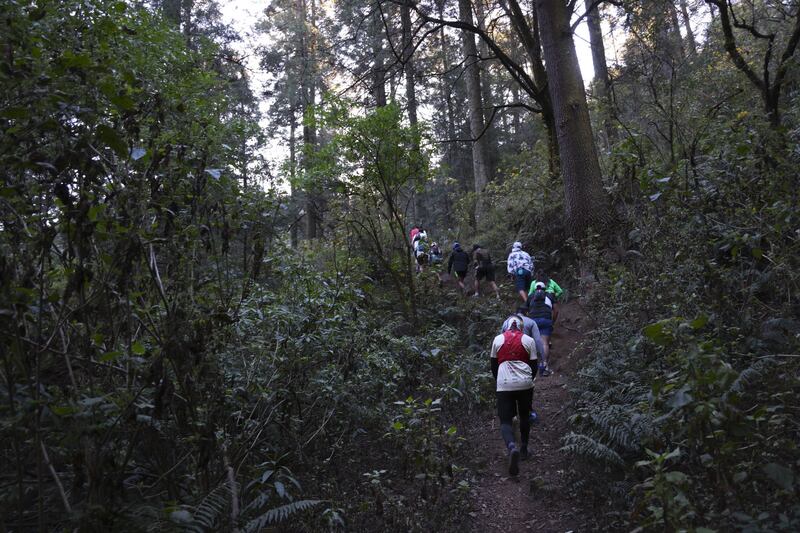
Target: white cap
516, 246
514, 319
539, 285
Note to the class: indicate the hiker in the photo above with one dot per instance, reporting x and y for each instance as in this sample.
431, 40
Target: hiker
540, 309
530, 329
421, 251
413, 233
458, 262
520, 265
484, 268
435, 254
513, 361
550, 287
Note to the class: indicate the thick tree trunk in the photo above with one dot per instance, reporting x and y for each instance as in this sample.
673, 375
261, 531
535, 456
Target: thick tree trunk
586, 201
476, 125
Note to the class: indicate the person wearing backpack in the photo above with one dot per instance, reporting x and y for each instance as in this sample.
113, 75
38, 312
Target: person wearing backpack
459, 261
421, 252
520, 265
540, 309
484, 268
550, 287
513, 363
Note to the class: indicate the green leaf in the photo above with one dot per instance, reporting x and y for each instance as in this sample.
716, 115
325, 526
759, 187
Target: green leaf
138, 348
280, 489
699, 322
98, 338
451, 430
758, 253
15, 113
398, 426
110, 356
657, 333
123, 101
782, 476
109, 137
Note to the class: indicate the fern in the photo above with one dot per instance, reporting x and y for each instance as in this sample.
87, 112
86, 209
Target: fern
578, 444
213, 506
279, 514
750, 375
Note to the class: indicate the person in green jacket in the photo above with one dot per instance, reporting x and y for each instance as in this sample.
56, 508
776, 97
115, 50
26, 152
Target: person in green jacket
550, 287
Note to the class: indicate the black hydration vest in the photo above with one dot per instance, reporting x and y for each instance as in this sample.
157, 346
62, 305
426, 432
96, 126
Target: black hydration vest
537, 305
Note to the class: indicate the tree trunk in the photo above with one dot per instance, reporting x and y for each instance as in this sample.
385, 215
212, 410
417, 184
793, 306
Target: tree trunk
411, 98
292, 176
378, 69
586, 201
529, 35
473, 81
309, 129
602, 81
688, 25
486, 94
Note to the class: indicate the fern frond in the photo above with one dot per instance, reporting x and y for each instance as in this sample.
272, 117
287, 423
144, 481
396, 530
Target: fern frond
213, 506
750, 375
279, 514
583, 445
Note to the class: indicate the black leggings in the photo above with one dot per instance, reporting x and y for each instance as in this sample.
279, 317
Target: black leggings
510, 403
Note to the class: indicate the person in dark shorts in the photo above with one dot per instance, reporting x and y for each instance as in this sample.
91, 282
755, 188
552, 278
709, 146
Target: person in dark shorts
520, 265
513, 362
484, 269
540, 309
458, 262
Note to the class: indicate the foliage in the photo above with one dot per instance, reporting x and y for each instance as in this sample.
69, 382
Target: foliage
687, 399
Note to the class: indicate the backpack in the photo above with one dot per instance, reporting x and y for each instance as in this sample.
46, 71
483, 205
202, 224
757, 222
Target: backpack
485, 258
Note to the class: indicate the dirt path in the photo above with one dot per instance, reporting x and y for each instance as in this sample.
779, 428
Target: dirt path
539, 498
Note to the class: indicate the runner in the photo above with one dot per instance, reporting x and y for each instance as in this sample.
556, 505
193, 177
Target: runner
540, 309
484, 268
529, 328
513, 361
520, 265
459, 261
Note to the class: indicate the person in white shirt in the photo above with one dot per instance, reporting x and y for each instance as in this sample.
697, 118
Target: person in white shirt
520, 265
514, 364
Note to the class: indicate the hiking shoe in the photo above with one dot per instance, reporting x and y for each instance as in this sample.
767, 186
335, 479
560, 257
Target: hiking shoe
475, 295
523, 453
533, 418
513, 461
544, 371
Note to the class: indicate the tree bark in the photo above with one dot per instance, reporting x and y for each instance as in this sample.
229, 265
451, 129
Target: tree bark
529, 35
378, 68
476, 125
688, 25
309, 88
602, 81
586, 201
486, 93
411, 102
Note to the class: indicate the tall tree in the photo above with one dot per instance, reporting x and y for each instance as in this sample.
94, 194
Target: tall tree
602, 80
475, 103
586, 201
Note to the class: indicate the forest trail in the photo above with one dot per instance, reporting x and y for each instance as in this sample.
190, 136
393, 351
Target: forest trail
539, 498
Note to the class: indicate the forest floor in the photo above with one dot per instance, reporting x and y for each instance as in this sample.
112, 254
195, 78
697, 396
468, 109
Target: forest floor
540, 497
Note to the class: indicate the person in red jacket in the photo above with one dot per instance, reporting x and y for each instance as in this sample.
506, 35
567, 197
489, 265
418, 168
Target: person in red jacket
514, 365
